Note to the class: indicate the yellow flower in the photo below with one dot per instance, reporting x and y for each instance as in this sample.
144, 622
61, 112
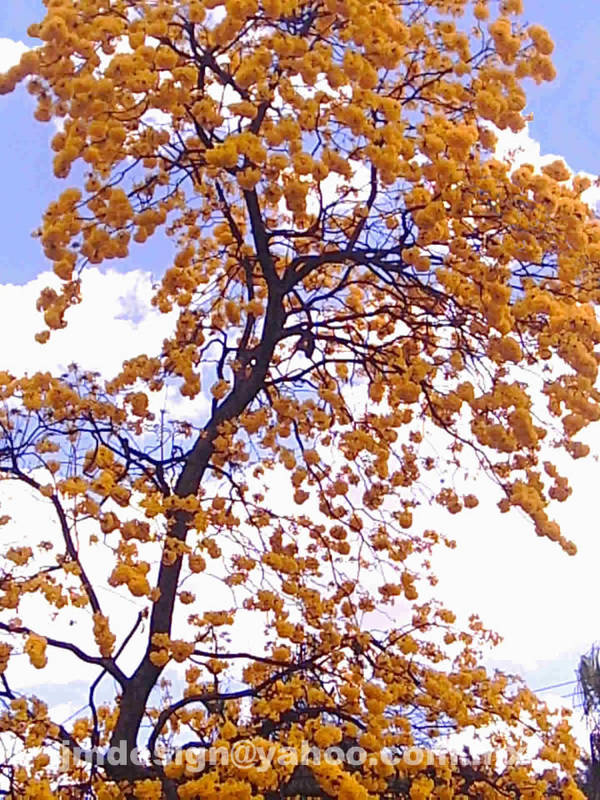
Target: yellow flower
35, 647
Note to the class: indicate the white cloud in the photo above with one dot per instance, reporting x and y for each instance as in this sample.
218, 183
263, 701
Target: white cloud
525, 588
114, 321
521, 148
10, 53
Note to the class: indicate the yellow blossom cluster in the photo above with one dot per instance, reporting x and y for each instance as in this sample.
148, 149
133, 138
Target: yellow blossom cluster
35, 647
104, 637
133, 576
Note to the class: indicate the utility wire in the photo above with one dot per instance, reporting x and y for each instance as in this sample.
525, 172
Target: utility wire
555, 686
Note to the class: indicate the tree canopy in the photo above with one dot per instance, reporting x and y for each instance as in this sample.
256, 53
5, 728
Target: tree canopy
355, 273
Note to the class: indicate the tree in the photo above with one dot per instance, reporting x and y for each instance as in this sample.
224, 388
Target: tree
354, 275
588, 684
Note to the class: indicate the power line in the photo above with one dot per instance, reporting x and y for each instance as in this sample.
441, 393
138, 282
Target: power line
555, 686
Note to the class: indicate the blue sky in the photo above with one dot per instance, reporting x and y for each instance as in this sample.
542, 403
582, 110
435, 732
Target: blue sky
566, 123
567, 111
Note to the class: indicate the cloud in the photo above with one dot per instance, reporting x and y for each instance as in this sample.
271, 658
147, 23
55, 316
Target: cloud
114, 321
525, 588
521, 148
10, 53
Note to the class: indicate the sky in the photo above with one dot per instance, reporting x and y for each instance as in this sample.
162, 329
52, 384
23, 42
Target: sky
527, 589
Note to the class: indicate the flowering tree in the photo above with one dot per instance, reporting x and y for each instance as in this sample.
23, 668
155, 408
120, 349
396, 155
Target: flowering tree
354, 272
